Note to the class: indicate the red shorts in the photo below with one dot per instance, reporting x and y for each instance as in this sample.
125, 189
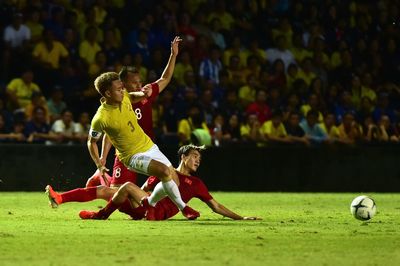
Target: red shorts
136, 213
121, 174
163, 211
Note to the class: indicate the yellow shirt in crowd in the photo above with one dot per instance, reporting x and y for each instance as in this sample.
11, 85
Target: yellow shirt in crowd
269, 129
52, 57
22, 90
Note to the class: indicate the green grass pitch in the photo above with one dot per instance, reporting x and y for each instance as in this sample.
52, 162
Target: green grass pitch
297, 229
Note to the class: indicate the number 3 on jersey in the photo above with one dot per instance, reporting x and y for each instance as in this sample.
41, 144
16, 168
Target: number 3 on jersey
131, 125
138, 113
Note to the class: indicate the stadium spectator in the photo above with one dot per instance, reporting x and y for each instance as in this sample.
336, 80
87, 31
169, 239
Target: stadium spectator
56, 103
273, 130
186, 31
6, 135
236, 51
20, 90
64, 127
312, 104
247, 93
185, 126
37, 130
220, 12
182, 66
81, 128
48, 54
37, 99
236, 72
17, 37
210, 67
280, 52
383, 108
34, 25
56, 22
330, 128
199, 135
345, 105
386, 130
295, 132
349, 130
231, 133
277, 78
250, 129
216, 35
231, 106
90, 46
314, 133
260, 107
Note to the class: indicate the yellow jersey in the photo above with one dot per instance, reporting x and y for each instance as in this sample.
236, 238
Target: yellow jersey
120, 124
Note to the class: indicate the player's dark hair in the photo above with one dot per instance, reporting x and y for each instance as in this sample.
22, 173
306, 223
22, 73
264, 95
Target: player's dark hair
186, 149
312, 113
123, 74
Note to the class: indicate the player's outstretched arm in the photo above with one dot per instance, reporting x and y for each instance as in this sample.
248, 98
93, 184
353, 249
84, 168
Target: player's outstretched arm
169, 69
221, 209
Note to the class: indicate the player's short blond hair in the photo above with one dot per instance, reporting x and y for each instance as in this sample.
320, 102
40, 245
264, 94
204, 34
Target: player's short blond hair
104, 82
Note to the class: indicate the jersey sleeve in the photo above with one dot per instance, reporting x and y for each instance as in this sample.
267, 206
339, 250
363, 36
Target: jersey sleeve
96, 128
202, 191
152, 181
155, 91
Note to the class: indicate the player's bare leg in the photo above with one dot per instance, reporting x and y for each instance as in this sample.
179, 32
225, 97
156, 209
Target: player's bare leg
167, 187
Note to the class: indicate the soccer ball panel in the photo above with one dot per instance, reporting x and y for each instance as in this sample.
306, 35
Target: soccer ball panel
363, 208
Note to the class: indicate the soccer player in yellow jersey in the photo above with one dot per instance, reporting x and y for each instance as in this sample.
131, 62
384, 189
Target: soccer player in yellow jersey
116, 118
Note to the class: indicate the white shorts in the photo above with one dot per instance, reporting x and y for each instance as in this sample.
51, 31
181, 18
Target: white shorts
140, 161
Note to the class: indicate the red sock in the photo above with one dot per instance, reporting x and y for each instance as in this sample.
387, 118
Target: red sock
108, 210
79, 195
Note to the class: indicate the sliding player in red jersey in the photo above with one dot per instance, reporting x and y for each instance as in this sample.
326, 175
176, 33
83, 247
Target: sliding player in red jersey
128, 197
132, 81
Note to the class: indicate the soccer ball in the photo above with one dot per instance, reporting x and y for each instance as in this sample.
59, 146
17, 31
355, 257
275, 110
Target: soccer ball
363, 208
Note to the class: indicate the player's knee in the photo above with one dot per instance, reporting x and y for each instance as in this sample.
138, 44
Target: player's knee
164, 173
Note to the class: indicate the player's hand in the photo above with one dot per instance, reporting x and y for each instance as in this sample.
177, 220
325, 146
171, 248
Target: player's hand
103, 170
175, 45
147, 90
251, 218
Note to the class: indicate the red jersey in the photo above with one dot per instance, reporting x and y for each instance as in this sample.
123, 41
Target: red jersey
144, 111
189, 187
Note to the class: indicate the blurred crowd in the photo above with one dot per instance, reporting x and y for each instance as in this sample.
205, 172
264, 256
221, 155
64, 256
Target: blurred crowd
302, 72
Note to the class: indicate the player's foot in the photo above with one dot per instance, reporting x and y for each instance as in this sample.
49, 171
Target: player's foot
90, 215
150, 210
54, 197
189, 213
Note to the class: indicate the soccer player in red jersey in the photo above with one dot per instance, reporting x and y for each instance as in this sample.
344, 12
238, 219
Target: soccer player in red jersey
128, 197
132, 81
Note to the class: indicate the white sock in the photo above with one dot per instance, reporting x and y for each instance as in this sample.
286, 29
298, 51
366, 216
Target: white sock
173, 193
157, 194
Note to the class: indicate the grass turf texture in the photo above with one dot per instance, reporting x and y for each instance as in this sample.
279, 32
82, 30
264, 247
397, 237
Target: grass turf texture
298, 229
